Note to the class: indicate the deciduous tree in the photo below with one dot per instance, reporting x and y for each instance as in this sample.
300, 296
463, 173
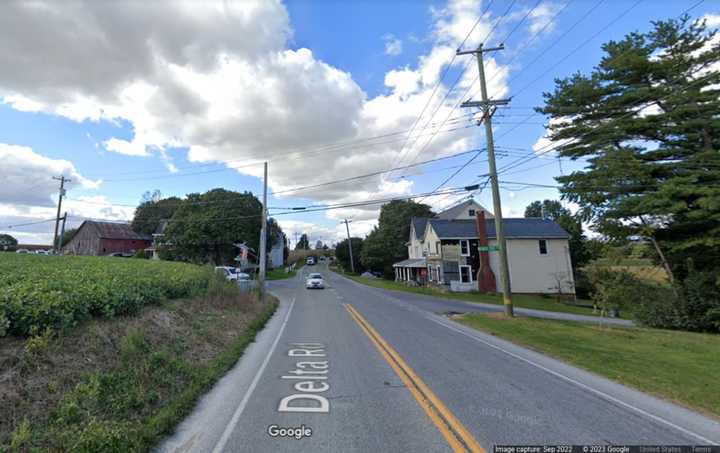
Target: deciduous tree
386, 244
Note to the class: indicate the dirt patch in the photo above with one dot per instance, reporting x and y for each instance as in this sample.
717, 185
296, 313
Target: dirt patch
36, 373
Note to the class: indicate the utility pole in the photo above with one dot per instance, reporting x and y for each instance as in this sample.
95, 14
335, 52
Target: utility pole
347, 228
62, 180
263, 238
62, 232
488, 107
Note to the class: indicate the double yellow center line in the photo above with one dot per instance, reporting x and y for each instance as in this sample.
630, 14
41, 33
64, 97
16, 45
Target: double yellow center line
459, 439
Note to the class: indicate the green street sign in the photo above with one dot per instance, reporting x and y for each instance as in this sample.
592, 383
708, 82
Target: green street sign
489, 248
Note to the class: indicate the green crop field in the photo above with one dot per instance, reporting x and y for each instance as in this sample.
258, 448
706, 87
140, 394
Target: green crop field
38, 292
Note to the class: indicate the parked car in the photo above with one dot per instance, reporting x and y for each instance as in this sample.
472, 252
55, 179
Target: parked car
229, 272
42, 252
22, 251
310, 261
121, 255
242, 276
315, 281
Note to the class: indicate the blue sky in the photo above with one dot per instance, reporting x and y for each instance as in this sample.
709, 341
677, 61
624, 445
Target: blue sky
312, 73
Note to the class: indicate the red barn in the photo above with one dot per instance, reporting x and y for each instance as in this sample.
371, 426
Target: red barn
104, 238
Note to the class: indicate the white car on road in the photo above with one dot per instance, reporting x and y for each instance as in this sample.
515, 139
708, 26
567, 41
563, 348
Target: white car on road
315, 280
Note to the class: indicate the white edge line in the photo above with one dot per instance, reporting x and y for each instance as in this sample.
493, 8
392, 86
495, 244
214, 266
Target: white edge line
580, 384
241, 407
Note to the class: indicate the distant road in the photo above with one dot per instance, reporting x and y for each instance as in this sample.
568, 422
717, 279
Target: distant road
365, 370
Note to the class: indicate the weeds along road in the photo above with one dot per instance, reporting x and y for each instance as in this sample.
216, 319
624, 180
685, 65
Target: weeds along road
351, 368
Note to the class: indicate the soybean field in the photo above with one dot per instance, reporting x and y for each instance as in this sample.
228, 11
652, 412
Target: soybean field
39, 292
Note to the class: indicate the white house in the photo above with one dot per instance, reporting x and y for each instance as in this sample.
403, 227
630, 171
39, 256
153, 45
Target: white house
446, 250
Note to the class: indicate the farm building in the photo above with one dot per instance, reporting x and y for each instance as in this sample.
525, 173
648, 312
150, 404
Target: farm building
105, 238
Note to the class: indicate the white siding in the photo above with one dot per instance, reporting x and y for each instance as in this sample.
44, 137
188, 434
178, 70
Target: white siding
531, 272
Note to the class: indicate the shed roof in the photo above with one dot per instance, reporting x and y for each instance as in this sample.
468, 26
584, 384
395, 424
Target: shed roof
412, 262
111, 230
514, 228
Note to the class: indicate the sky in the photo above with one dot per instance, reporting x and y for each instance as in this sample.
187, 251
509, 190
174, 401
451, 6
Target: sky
185, 96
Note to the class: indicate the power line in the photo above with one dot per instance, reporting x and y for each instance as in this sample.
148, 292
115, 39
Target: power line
457, 80
9, 227
400, 158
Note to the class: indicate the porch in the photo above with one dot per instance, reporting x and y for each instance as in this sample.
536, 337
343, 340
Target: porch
411, 270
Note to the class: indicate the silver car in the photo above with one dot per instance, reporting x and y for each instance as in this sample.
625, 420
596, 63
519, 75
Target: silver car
315, 281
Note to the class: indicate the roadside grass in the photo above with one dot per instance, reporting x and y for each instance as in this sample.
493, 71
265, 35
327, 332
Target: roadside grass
279, 273
519, 300
124, 383
679, 366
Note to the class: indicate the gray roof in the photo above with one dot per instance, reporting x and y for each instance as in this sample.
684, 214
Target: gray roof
419, 223
514, 228
412, 262
454, 211
112, 230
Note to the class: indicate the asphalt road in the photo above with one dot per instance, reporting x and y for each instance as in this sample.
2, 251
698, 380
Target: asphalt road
365, 370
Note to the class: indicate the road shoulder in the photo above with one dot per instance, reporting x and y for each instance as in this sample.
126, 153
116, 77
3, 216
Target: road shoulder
205, 426
705, 430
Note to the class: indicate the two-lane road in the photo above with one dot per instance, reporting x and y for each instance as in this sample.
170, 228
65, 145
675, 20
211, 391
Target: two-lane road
362, 370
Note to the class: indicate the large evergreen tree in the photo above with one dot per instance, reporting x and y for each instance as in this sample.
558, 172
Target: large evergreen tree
646, 121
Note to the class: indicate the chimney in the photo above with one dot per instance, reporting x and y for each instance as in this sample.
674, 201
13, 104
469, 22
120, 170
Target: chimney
485, 275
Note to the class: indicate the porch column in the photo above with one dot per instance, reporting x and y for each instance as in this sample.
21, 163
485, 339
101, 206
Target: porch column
396, 273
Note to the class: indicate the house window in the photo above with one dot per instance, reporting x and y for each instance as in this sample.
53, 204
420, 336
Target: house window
471, 212
439, 274
465, 274
542, 243
437, 247
465, 248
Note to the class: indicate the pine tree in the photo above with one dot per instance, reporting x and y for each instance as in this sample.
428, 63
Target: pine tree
646, 122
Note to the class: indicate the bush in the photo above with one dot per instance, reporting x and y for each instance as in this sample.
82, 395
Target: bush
621, 290
699, 308
696, 307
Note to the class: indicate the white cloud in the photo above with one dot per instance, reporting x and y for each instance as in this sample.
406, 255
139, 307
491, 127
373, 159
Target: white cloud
712, 20
27, 177
393, 45
541, 17
543, 146
78, 210
218, 79
315, 232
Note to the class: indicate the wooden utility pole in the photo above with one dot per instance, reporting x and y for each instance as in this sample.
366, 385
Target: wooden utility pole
347, 228
488, 107
62, 180
62, 232
263, 238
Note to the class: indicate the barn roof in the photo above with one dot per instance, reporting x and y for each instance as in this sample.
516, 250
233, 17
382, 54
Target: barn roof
112, 230
514, 228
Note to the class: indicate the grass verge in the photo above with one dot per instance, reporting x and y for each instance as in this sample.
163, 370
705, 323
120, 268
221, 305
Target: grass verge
679, 366
519, 300
121, 384
280, 274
